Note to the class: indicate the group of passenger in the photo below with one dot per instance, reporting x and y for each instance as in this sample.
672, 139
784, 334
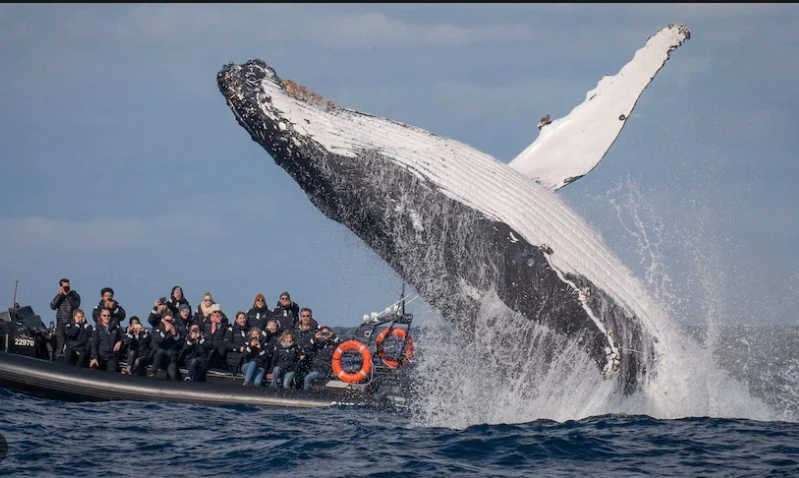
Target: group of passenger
284, 346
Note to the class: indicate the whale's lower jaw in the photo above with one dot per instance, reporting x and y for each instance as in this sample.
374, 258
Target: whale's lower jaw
452, 253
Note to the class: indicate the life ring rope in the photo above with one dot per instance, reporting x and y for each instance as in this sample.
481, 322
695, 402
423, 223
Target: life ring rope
366, 361
400, 334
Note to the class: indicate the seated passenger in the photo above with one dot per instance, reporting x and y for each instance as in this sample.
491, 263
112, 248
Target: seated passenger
259, 313
176, 300
256, 357
270, 338
204, 309
284, 361
139, 345
196, 350
236, 342
183, 318
78, 336
215, 331
159, 306
106, 342
303, 337
167, 344
325, 343
286, 312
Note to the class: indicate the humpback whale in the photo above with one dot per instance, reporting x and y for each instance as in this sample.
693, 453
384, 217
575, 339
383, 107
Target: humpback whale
460, 225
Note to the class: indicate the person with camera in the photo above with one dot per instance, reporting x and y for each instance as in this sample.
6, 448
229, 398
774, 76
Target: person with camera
65, 302
324, 343
167, 344
256, 359
107, 301
177, 299
137, 339
106, 342
78, 340
159, 306
195, 351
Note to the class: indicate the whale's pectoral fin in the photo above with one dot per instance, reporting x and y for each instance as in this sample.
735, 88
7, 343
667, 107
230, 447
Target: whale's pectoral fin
568, 148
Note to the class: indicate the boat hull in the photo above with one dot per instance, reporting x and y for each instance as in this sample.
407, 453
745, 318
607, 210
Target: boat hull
58, 381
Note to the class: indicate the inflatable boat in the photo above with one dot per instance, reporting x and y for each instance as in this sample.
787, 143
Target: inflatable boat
364, 373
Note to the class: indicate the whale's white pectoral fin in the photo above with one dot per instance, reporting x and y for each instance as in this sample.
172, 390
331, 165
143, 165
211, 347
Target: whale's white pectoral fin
568, 148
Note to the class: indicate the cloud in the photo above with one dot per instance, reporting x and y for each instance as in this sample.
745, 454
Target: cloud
105, 235
282, 24
366, 30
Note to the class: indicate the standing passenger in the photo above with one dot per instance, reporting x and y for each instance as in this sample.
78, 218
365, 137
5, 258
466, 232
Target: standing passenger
65, 302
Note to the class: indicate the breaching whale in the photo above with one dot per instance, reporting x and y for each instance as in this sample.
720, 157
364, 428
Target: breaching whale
458, 224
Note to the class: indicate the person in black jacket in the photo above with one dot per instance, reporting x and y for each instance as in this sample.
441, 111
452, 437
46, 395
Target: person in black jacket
256, 358
78, 339
177, 299
106, 342
287, 313
284, 361
167, 344
65, 302
183, 318
236, 341
259, 313
196, 350
324, 343
107, 301
138, 341
215, 331
159, 306
303, 337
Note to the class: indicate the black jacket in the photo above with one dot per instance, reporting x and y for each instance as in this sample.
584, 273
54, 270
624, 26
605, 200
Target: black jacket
217, 353
287, 358
141, 342
287, 317
118, 314
196, 349
257, 317
174, 305
103, 342
167, 342
323, 354
78, 336
236, 338
261, 355
64, 305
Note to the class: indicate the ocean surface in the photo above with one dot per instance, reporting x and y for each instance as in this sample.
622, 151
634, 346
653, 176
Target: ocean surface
51, 438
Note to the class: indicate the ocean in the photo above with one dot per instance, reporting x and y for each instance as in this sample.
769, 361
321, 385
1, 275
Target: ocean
50, 438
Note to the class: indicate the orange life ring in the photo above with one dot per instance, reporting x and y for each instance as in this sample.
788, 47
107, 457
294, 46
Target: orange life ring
400, 334
366, 358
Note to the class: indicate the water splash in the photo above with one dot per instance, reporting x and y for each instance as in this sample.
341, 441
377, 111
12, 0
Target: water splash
514, 371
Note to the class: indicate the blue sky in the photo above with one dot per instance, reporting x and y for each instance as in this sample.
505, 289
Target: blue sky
122, 166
